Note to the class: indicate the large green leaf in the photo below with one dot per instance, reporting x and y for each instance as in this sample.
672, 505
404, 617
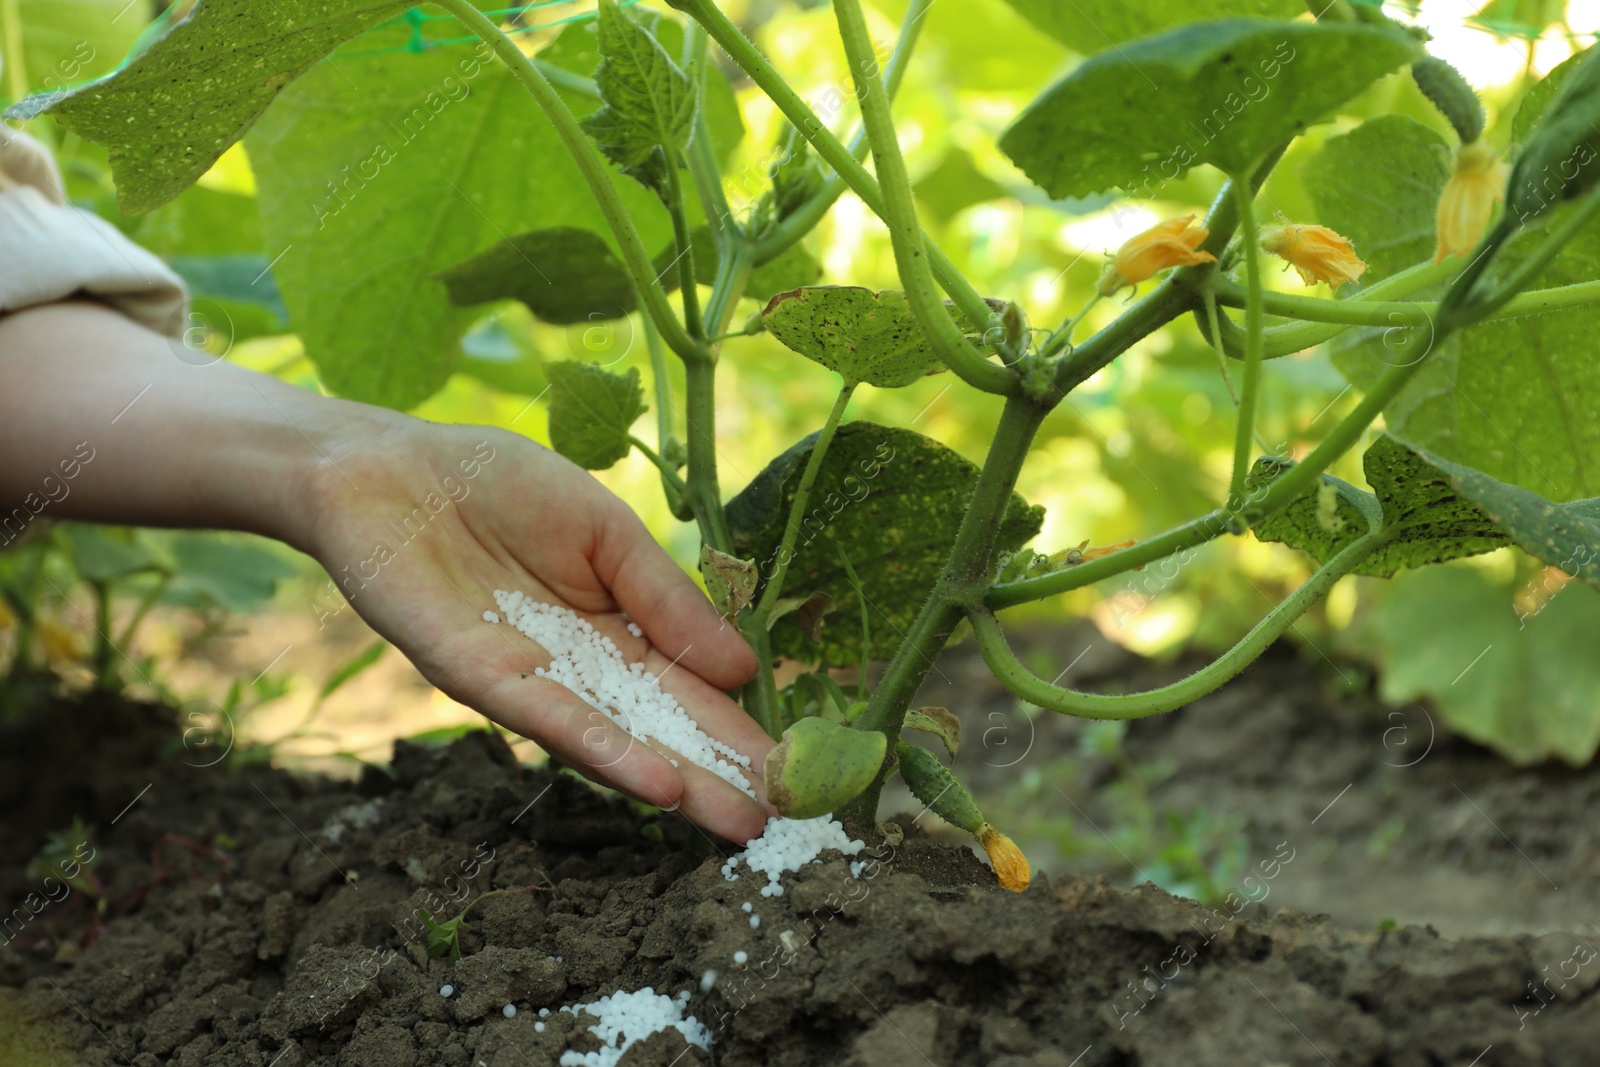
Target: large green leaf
1088, 26
891, 500
443, 154
1425, 519
1224, 92
169, 114
863, 335
218, 570
591, 411
66, 42
1507, 397
649, 101
564, 275
1527, 686
1379, 185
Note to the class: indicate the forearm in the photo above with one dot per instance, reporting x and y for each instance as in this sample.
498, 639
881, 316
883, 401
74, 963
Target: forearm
104, 420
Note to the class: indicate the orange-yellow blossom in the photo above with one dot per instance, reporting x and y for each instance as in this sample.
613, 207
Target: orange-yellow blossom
1010, 865
1318, 253
1468, 200
1166, 244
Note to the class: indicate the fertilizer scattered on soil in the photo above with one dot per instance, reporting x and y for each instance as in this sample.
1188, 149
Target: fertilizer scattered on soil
707, 981
788, 845
746, 906
741, 957
509, 1011
446, 990
755, 922
590, 664
624, 1019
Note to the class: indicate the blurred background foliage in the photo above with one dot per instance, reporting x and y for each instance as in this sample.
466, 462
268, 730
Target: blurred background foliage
1141, 447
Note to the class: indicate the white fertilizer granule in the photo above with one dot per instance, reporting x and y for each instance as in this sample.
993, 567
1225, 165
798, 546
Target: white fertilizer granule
633, 628
446, 990
624, 1018
509, 1011
490, 616
741, 957
707, 981
788, 845
746, 907
755, 922
590, 664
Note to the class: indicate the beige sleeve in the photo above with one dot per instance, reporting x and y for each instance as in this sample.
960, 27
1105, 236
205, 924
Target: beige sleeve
50, 250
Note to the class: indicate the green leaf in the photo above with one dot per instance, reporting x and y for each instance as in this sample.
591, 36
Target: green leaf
820, 766
107, 553
351, 668
809, 611
1379, 185
1506, 397
956, 184
1425, 519
1561, 535
564, 275
591, 411
1224, 92
941, 723
1554, 164
442, 155
649, 101
217, 570
67, 42
892, 499
203, 222
169, 114
1087, 26
1528, 687
577, 49
865, 336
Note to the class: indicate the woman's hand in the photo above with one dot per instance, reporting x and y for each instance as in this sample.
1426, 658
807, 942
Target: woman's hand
420, 523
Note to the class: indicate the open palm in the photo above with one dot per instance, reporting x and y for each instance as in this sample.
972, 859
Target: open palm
419, 526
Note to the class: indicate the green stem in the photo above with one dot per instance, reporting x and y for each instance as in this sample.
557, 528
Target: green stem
566, 79
146, 602
750, 60
1198, 531
593, 168
103, 646
1296, 337
702, 156
1470, 311
804, 219
1017, 678
905, 230
15, 54
733, 274
1062, 337
672, 488
1255, 322
668, 474
688, 284
1157, 308
961, 585
802, 499
702, 488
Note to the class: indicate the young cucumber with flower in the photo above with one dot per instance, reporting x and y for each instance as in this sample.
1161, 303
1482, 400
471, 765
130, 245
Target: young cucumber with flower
794, 561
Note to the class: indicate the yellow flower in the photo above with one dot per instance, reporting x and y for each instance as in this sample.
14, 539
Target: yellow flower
1468, 200
1166, 244
1010, 865
1319, 254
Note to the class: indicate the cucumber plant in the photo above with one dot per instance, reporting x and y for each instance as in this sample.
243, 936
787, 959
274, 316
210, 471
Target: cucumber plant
1472, 291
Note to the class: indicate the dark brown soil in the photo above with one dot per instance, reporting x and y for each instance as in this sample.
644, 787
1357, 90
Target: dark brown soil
254, 918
